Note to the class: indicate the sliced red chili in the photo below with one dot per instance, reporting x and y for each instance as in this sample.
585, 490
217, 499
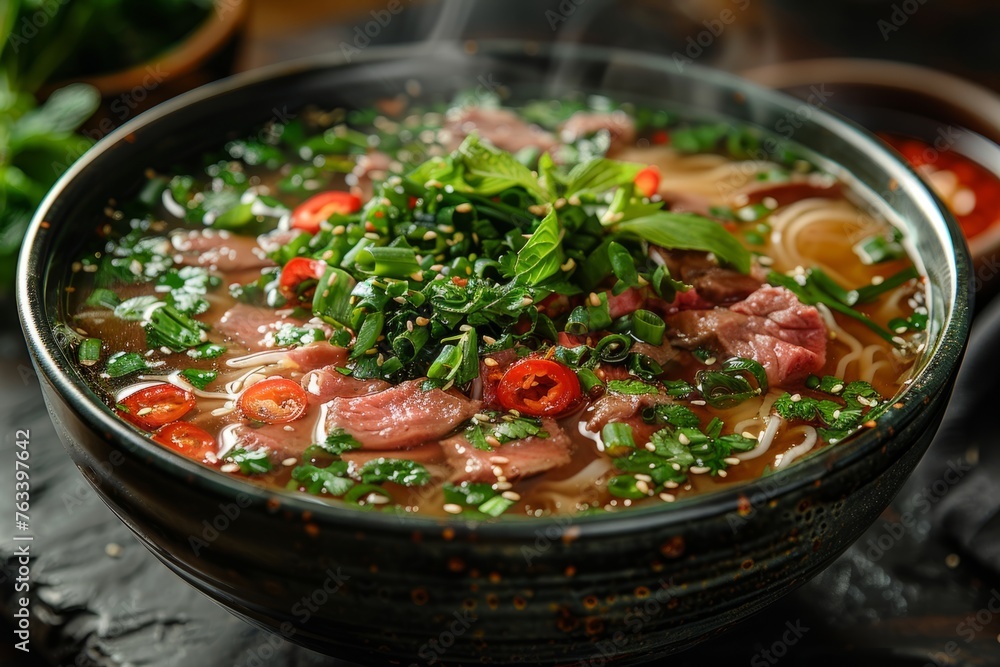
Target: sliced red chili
298, 278
539, 388
154, 406
647, 181
275, 400
192, 441
319, 208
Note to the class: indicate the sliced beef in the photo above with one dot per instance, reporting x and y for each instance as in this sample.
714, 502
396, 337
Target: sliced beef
620, 408
281, 443
401, 416
250, 325
515, 459
771, 327
317, 355
501, 127
629, 301
661, 354
618, 124
219, 250
369, 169
791, 191
325, 384
712, 283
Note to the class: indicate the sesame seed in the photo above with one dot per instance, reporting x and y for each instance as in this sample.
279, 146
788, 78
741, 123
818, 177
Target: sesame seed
644, 478
490, 361
417, 276
796, 398
430, 235
498, 471
452, 508
671, 485
422, 321
836, 389
698, 470
667, 497
526, 301
290, 461
113, 550
464, 207
722, 473
642, 486
683, 439
503, 486
877, 280
409, 325
650, 446
399, 299
511, 495
568, 265
675, 466
339, 229
465, 327
489, 340
229, 467
492, 441
595, 300
836, 414
371, 236
748, 434
731, 460
499, 459
698, 402
710, 361
143, 412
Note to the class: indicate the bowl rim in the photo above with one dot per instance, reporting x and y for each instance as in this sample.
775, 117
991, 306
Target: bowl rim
935, 374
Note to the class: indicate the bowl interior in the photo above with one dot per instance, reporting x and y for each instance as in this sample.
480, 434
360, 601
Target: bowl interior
233, 108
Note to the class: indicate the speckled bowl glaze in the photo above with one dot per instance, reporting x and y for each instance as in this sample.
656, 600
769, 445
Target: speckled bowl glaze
376, 587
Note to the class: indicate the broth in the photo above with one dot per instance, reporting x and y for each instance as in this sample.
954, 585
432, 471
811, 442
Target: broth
500, 281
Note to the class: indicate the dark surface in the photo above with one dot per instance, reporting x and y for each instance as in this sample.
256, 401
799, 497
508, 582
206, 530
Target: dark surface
899, 607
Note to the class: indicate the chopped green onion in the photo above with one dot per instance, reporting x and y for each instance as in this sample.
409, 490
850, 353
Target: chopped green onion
132, 310
625, 486
332, 299
496, 506
589, 380
613, 348
123, 363
103, 298
396, 262
206, 351
368, 334
89, 352
878, 249
648, 327
169, 328
599, 316
617, 438
199, 378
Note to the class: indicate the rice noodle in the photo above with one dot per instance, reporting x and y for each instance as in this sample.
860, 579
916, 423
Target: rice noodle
267, 357
782, 461
178, 381
773, 422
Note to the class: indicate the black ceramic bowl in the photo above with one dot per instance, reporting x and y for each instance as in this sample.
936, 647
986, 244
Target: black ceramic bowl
380, 588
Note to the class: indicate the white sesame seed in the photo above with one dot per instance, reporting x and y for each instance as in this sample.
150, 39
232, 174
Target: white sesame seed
748, 434
452, 508
650, 446
667, 497
503, 486
499, 460
796, 398
510, 495
670, 485
731, 460
642, 486
722, 473
290, 461
710, 361
229, 467
698, 470
644, 478
490, 361
698, 402
430, 235
836, 389
683, 439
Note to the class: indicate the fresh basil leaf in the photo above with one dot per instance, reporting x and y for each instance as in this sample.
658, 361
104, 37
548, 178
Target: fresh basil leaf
689, 231
491, 171
600, 175
542, 255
